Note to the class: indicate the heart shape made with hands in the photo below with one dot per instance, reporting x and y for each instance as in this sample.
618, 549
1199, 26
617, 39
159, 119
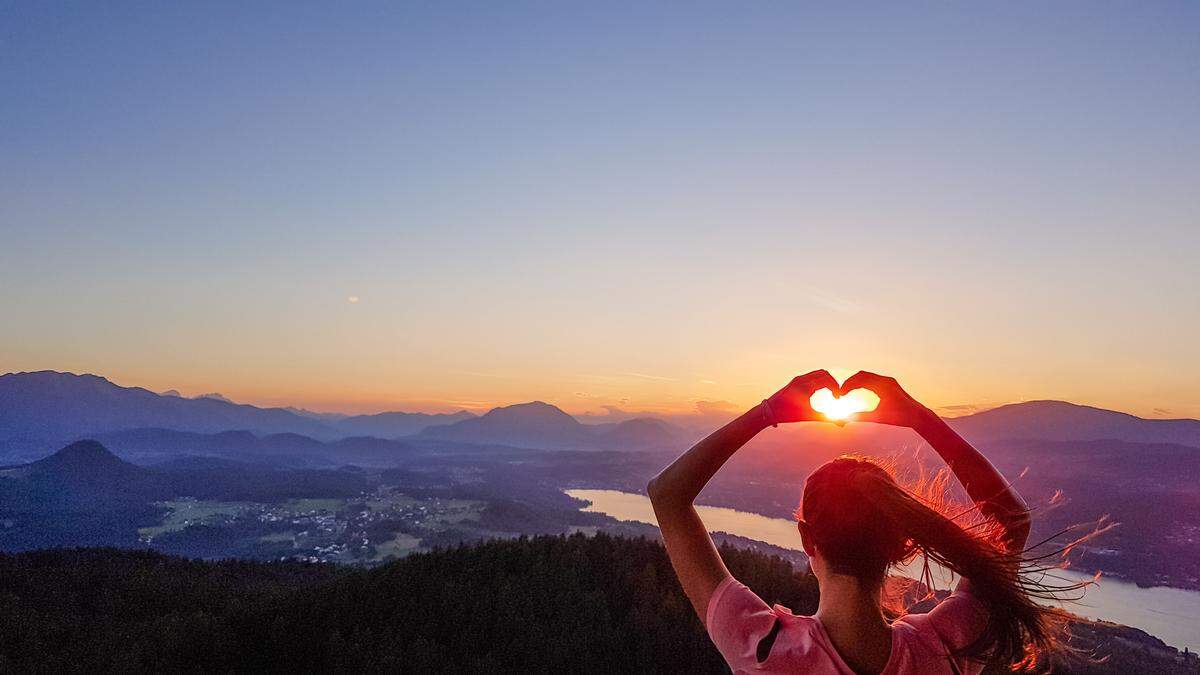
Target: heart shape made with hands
843, 408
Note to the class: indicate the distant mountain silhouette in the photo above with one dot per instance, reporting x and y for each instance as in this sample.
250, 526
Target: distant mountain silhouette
312, 414
216, 396
82, 477
43, 410
46, 409
541, 425
641, 432
286, 449
84, 495
1132, 466
85, 460
1062, 421
172, 392
535, 424
395, 424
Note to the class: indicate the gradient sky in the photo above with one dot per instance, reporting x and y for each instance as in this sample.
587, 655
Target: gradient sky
601, 204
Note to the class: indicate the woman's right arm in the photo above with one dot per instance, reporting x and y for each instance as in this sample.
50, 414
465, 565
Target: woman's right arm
986, 486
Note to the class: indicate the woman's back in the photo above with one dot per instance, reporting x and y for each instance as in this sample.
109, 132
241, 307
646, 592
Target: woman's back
855, 523
756, 638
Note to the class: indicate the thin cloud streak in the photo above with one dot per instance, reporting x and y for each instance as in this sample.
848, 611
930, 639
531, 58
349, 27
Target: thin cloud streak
644, 376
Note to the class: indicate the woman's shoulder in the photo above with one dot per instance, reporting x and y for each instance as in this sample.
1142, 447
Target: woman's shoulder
755, 636
956, 621
928, 641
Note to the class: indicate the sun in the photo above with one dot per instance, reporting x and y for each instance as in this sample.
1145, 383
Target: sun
843, 407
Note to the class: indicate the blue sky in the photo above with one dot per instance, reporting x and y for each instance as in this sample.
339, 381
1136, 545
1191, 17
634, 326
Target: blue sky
635, 205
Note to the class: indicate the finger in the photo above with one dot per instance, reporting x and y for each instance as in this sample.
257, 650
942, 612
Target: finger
821, 379
861, 380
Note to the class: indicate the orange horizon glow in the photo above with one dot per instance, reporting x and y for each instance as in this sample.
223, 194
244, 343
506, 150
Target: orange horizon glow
627, 394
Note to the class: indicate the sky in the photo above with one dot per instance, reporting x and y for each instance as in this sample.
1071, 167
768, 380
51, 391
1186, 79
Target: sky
633, 206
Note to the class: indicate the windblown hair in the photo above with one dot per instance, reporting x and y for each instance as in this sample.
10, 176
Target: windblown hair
864, 523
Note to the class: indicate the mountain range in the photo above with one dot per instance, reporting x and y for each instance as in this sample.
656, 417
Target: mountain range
1062, 421
43, 410
541, 425
40, 411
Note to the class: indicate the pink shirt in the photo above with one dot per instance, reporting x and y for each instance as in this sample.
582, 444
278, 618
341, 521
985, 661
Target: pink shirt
921, 643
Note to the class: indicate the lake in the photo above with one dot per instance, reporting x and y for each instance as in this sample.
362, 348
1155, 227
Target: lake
1171, 614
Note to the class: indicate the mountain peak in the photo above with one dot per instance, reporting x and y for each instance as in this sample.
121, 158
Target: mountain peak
85, 449
536, 424
86, 455
531, 409
44, 378
1064, 421
47, 409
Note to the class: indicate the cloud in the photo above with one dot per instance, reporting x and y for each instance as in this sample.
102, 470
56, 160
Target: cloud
644, 376
715, 407
837, 303
469, 404
353, 299
612, 413
963, 409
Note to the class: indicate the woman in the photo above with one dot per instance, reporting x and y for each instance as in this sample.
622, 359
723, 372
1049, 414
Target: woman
855, 522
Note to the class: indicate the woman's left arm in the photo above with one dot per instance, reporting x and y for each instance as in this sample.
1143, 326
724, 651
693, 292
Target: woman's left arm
673, 491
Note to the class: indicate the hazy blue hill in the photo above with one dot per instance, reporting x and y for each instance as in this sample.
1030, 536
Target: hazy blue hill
395, 424
322, 416
157, 445
83, 475
642, 432
82, 495
1126, 465
85, 460
45, 409
150, 440
290, 444
534, 425
1062, 421
541, 425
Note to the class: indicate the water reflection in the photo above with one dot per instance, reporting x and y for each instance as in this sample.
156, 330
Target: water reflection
1170, 614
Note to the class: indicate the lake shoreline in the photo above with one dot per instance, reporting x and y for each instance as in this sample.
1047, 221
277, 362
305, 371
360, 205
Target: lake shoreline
1170, 614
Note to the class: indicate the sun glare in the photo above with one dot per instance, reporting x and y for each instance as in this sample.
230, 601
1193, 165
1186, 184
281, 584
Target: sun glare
844, 407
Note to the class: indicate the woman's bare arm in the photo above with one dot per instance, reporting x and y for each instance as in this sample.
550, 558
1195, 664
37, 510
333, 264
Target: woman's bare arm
673, 491
986, 486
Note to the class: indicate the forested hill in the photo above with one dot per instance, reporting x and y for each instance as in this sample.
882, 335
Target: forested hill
547, 604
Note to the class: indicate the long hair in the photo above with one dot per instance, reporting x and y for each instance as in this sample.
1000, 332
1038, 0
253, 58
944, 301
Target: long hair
863, 523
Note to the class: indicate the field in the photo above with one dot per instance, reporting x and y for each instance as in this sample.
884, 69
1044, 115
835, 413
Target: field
186, 512
317, 505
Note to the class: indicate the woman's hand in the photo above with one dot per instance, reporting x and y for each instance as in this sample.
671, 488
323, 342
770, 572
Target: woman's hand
895, 407
790, 404
986, 486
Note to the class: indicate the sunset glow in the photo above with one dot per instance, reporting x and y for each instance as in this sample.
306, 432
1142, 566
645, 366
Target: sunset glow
843, 407
435, 221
